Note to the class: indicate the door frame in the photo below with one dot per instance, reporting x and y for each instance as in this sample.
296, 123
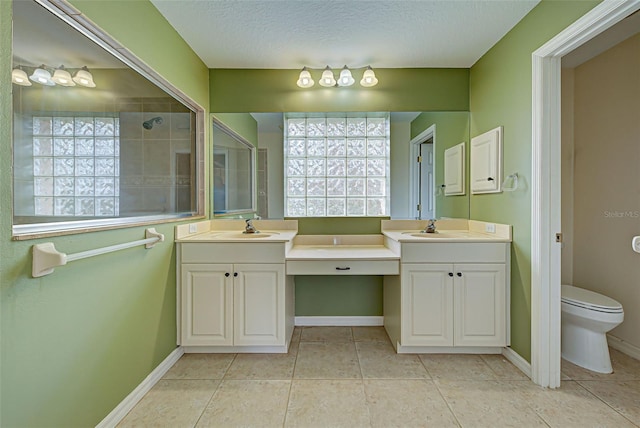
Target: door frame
545, 179
414, 151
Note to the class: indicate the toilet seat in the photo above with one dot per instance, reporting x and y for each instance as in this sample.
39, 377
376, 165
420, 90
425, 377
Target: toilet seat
590, 300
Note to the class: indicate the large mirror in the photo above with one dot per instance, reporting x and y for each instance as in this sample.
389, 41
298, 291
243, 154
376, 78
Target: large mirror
233, 171
425, 133
98, 141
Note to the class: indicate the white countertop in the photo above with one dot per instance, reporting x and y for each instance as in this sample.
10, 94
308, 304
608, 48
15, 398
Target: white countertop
238, 236
443, 236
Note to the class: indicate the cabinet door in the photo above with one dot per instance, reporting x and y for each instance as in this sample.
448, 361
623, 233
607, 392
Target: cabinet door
480, 305
427, 305
207, 304
259, 304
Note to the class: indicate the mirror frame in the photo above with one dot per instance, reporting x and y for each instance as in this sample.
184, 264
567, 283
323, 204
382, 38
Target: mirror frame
64, 11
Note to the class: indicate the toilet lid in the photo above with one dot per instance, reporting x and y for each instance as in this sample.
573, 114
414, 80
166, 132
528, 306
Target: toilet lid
589, 299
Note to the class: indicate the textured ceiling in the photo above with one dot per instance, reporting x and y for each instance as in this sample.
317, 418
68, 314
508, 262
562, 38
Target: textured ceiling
386, 34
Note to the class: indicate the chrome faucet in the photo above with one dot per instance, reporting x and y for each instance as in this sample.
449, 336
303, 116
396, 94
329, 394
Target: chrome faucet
250, 228
431, 227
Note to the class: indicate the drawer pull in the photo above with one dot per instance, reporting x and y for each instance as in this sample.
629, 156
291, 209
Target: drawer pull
459, 274
343, 268
226, 274
450, 273
235, 274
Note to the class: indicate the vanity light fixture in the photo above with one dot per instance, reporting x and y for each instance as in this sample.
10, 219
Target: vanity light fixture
305, 80
19, 77
62, 77
346, 79
42, 76
84, 78
369, 78
328, 79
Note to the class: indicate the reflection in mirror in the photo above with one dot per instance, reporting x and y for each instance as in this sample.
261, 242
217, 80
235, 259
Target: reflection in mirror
450, 129
96, 143
233, 172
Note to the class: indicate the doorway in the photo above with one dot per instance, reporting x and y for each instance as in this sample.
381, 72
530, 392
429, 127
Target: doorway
546, 201
422, 201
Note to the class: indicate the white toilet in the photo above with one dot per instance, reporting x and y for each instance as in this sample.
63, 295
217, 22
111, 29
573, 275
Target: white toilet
586, 318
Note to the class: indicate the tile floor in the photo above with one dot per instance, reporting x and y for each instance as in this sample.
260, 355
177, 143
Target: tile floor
351, 377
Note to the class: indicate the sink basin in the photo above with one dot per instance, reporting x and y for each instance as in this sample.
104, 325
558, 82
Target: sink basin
240, 235
432, 235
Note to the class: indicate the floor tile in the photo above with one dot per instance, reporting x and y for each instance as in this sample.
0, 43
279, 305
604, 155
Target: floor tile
262, 366
457, 367
571, 405
488, 404
321, 360
327, 403
502, 368
624, 368
172, 403
624, 396
380, 361
326, 334
247, 403
200, 366
370, 334
407, 403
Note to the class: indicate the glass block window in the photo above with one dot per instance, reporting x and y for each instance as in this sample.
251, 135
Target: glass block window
336, 165
76, 162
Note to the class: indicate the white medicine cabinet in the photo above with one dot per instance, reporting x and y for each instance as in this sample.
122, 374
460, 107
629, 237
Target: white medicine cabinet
486, 162
454, 166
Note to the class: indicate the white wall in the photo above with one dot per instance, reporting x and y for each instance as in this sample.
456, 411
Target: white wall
606, 179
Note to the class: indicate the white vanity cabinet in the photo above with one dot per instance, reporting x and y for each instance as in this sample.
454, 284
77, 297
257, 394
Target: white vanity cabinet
234, 297
449, 295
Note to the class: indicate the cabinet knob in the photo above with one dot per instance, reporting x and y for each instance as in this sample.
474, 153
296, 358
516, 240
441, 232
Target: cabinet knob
459, 273
235, 274
226, 274
450, 273
490, 179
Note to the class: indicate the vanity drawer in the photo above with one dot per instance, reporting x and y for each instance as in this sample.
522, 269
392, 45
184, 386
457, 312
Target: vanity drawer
449, 252
232, 252
343, 267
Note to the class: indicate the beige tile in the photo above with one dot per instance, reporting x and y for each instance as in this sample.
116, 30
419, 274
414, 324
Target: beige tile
370, 334
570, 406
326, 334
247, 403
297, 332
488, 404
321, 360
380, 361
262, 366
624, 368
200, 366
172, 403
407, 403
457, 367
327, 403
502, 368
624, 396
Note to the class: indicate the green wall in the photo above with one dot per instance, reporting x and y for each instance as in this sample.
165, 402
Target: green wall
243, 124
500, 94
407, 89
76, 342
452, 128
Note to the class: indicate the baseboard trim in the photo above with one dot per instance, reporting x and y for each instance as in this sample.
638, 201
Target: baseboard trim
340, 321
623, 346
129, 402
517, 360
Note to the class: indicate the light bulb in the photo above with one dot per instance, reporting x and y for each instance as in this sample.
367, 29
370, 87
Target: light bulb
19, 77
345, 77
369, 78
327, 79
305, 80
